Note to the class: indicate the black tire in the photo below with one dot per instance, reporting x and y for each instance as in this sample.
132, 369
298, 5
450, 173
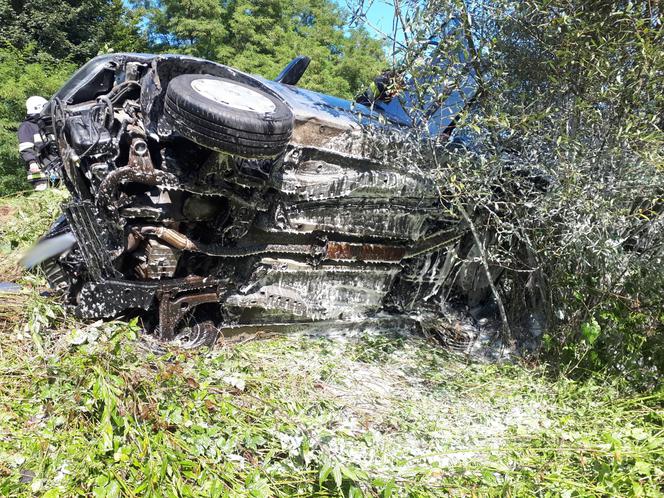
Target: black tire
262, 129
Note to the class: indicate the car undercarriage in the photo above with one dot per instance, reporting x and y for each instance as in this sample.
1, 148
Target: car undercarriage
206, 200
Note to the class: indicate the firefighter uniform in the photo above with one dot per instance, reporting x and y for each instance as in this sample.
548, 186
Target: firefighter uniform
30, 143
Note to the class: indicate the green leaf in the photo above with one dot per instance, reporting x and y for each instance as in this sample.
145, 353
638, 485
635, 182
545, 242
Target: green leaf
590, 331
336, 474
324, 473
642, 468
52, 493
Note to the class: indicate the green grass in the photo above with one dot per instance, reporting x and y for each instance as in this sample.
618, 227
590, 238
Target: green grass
100, 410
23, 219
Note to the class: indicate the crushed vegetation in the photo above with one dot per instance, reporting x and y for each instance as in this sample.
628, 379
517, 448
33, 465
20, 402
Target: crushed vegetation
102, 410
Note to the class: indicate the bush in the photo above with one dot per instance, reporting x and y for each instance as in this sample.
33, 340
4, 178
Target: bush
563, 185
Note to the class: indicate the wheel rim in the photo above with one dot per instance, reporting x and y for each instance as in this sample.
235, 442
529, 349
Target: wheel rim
232, 95
200, 334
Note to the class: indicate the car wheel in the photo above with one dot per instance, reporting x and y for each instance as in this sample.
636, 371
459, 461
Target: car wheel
228, 116
197, 335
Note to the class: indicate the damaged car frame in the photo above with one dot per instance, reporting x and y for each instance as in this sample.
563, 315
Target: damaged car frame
206, 201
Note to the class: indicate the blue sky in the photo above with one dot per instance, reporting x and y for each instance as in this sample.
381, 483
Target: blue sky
380, 14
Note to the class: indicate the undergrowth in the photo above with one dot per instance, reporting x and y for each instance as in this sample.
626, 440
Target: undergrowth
24, 218
101, 410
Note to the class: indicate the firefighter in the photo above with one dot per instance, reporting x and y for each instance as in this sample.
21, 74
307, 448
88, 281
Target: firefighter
30, 143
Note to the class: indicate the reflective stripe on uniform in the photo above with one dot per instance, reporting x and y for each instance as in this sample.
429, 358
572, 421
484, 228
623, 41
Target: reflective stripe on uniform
37, 138
25, 146
36, 176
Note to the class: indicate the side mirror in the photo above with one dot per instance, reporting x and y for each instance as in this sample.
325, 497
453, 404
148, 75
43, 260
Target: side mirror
292, 73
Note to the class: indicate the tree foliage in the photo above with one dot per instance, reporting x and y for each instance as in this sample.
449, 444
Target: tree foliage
563, 173
262, 37
73, 30
588, 110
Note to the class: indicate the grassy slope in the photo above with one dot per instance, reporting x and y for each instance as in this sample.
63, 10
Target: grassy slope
98, 409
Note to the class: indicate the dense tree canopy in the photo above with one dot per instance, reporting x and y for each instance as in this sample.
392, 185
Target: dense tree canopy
75, 30
262, 37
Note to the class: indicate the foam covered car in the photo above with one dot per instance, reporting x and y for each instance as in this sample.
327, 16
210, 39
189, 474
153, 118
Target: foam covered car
206, 200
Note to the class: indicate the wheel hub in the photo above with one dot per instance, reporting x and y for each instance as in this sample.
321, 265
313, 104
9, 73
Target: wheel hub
235, 96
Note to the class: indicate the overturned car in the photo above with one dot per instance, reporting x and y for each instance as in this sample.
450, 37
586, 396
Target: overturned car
207, 200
